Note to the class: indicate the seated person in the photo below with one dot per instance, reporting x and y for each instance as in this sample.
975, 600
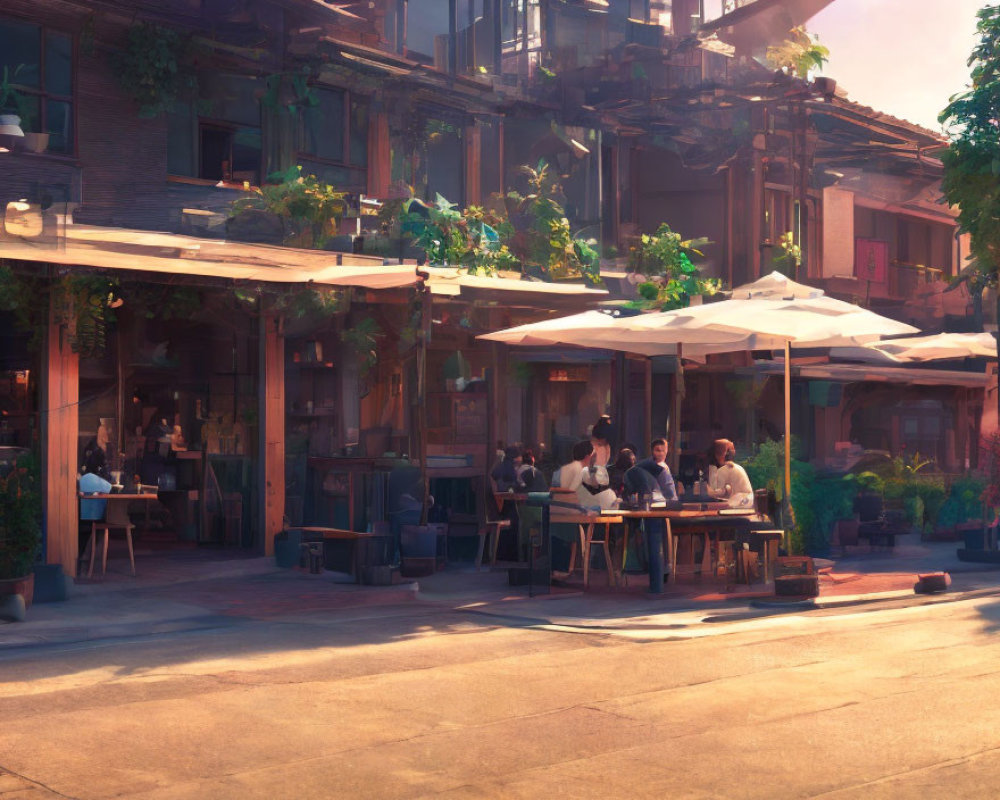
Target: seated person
504, 474
727, 480
656, 465
571, 474
594, 491
530, 477
624, 461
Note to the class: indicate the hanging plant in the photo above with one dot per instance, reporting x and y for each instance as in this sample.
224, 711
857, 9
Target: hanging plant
289, 92
363, 340
89, 303
149, 67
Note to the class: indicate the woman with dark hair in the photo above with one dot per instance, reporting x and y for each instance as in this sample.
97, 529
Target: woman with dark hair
529, 477
600, 437
624, 461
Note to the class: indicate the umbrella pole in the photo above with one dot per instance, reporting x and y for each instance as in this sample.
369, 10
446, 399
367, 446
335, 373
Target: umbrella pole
675, 416
788, 514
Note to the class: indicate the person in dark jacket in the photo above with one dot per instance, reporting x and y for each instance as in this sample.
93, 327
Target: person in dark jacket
504, 474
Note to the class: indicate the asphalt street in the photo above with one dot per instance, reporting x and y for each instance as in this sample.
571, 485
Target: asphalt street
417, 699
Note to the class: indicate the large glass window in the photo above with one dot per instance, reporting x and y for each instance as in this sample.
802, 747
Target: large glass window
219, 136
334, 143
39, 63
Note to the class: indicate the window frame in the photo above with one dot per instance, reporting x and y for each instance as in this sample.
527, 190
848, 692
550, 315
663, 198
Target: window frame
345, 162
43, 94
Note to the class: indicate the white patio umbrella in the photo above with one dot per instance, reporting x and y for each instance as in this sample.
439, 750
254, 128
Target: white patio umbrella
733, 325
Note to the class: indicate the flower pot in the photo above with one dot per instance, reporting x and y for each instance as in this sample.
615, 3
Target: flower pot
36, 142
10, 125
24, 586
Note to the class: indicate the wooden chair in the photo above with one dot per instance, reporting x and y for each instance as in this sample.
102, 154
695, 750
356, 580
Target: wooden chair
490, 525
115, 516
601, 539
765, 545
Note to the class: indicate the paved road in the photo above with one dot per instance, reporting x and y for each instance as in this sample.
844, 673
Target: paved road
418, 700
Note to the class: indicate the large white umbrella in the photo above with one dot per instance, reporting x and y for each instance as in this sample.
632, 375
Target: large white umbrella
730, 325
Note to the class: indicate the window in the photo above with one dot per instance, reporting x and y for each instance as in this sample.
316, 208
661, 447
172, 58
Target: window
39, 62
219, 136
334, 144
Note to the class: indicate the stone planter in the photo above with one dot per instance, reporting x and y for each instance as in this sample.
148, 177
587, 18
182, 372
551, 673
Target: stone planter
24, 586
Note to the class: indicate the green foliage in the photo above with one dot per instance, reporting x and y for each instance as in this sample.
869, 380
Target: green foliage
309, 208
11, 98
541, 237
20, 518
972, 161
149, 67
363, 338
869, 482
469, 239
963, 502
789, 259
817, 501
669, 263
88, 303
289, 92
798, 54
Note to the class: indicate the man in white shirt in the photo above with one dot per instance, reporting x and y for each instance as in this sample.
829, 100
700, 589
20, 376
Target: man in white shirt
727, 480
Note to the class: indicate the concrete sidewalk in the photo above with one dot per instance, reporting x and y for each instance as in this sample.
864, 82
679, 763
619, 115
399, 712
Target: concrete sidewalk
203, 589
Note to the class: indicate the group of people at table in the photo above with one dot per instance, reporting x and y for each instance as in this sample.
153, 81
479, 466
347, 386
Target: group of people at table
594, 481
601, 482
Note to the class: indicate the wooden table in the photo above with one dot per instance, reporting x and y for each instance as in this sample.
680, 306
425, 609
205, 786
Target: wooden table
119, 497
686, 522
317, 533
113, 518
587, 523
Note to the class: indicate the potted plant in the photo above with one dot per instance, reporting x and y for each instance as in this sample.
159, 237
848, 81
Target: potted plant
11, 103
20, 528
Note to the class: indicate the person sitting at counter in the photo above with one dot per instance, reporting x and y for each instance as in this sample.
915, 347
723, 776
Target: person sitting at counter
624, 461
530, 477
504, 474
656, 465
727, 480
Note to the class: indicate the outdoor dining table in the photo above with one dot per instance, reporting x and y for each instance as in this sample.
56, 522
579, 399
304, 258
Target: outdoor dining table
699, 519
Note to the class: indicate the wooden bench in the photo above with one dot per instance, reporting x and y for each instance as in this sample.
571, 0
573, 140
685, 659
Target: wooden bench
314, 533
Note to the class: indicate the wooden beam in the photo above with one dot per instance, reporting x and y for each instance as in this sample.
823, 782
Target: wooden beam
60, 383
271, 400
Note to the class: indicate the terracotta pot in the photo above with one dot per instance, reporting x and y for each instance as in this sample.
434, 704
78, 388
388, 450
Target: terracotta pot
24, 586
36, 142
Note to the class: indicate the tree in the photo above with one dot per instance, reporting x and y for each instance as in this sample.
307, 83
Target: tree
972, 161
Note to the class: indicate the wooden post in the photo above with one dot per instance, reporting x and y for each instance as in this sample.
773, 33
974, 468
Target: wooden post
675, 416
60, 425
271, 400
647, 385
380, 154
473, 159
426, 309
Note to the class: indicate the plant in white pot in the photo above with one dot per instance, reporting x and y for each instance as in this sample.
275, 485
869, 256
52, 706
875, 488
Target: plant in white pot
11, 103
16, 117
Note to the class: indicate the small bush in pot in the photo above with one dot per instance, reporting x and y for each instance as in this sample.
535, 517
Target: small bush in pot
20, 519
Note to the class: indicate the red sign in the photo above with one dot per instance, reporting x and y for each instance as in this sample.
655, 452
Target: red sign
871, 260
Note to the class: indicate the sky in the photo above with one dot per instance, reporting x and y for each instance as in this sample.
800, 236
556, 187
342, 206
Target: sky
901, 57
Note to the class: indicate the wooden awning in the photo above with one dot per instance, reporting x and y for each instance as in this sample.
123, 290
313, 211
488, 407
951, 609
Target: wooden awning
175, 254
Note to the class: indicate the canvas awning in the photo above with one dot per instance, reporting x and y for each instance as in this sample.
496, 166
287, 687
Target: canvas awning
451, 281
151, 251
937, 347
857, 373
